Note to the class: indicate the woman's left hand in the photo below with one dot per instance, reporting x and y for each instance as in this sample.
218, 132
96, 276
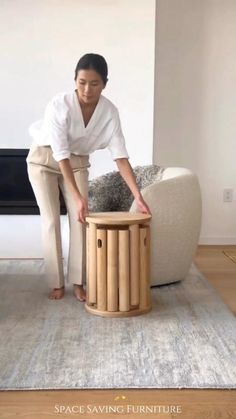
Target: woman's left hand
127, 173
142, 205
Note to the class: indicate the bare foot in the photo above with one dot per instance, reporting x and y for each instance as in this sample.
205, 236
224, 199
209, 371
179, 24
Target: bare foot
79, 292
56, 294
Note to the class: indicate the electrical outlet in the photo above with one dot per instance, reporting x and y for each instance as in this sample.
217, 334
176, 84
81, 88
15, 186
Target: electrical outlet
228, 195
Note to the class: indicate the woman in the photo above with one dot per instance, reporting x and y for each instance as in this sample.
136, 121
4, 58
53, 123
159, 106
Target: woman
74, 125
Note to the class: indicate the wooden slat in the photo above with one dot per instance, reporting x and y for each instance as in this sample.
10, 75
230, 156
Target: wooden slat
144, 268
112, 270
134, 264
92, 264
124, 283
101, 269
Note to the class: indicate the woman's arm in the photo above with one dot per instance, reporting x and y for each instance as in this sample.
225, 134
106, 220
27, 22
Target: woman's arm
81, 202
127, 174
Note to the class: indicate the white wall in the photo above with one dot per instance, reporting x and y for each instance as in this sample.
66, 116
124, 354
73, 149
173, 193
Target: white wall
41, 42
195, 102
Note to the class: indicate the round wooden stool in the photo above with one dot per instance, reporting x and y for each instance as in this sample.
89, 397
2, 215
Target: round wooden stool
118, 264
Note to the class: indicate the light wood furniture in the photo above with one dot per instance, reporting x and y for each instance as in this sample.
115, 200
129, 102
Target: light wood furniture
118, 264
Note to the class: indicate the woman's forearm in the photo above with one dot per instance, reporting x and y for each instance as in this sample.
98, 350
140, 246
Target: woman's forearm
68, 175
81, 202
127, 174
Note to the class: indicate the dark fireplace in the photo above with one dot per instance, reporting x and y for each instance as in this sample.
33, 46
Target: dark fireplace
16, 194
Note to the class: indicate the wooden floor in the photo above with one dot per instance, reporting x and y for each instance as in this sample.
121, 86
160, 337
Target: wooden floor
220, 270
184, 404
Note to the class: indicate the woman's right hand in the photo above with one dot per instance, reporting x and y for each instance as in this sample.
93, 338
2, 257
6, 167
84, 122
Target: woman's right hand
80, 201
82, 209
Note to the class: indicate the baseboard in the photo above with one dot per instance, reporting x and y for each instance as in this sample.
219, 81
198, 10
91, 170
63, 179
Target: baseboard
218, 240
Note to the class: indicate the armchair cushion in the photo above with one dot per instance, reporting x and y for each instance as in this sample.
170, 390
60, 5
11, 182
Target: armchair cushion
109, 192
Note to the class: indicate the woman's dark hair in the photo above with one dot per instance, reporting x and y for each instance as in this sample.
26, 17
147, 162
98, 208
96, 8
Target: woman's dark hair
95, 62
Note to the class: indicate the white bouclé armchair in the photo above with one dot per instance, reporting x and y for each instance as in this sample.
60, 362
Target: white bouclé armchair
175, 203
173, 195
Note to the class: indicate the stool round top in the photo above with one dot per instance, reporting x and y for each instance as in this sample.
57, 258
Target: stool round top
118, 218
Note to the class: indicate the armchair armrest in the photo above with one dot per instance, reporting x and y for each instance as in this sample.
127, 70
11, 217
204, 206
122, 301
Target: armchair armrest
175, 202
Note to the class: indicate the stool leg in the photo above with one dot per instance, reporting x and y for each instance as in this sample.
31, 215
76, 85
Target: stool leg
134, 263
112, 270
87, 260
144, 268
149, 264
101, 270
124, 285
92, 264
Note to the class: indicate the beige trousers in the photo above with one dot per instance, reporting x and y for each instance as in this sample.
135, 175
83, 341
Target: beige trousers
46, 179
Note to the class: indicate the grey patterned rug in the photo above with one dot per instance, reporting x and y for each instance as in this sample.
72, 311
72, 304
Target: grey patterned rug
188, 340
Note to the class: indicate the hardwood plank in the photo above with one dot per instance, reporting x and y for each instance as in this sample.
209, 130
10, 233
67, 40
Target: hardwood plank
219, 270
185, 404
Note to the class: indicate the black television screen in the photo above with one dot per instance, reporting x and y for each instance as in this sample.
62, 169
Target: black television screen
16, 194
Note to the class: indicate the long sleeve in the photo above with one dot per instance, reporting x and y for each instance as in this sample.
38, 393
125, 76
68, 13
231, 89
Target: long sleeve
117, 145
55, 127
